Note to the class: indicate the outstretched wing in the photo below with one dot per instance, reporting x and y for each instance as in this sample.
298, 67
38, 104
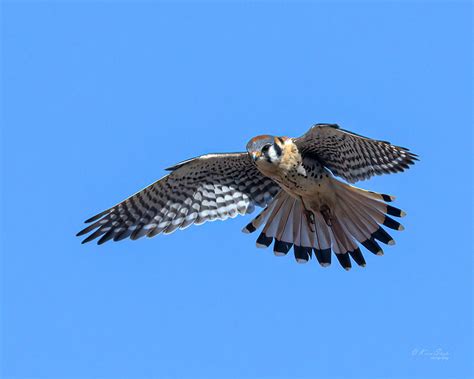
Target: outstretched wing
207, 188
351, 156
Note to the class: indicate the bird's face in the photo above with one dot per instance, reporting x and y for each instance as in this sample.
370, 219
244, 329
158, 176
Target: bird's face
266, 150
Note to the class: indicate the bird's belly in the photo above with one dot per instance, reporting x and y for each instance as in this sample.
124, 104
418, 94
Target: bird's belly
314, 188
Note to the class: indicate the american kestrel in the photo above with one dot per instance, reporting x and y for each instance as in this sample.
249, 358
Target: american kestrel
305, 207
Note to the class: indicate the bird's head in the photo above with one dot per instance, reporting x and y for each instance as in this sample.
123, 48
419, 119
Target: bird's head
266, 150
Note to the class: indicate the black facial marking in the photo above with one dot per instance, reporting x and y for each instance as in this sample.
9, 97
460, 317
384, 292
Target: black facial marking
277, 149
265, 149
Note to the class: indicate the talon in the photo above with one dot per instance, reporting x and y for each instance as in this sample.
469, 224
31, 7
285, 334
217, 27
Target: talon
326, 212
310, 219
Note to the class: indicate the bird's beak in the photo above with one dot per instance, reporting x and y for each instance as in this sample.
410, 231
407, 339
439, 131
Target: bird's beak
256, 155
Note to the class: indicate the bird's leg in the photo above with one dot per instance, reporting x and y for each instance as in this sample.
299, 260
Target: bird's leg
309, 216
327, 215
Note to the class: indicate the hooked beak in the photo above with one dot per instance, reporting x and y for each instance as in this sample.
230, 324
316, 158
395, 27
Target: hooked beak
255, 155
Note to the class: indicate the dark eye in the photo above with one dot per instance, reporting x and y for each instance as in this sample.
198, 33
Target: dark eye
265, 148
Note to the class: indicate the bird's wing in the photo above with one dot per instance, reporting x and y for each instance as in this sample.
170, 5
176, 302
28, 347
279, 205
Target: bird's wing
207, 188
351, 156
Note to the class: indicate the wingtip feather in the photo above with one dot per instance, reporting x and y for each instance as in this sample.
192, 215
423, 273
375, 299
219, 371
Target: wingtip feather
97, 216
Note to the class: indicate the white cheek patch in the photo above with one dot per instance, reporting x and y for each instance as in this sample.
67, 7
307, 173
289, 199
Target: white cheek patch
273, 154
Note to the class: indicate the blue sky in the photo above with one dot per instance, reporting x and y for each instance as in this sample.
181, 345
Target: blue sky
99, 97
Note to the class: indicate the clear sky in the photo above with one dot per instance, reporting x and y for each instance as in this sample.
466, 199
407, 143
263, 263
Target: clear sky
99, 97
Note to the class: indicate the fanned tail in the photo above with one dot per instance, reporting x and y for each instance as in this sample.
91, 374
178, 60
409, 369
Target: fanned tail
355, 218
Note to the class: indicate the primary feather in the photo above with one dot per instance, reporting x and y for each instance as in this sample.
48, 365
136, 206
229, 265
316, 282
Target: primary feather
207, 188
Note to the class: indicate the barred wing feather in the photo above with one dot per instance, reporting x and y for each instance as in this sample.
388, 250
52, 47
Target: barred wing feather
207, 188
351, 156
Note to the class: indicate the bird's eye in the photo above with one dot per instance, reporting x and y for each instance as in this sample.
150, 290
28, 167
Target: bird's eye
265, 148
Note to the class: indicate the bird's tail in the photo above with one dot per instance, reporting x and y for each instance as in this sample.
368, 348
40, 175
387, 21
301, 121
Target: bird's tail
356, 217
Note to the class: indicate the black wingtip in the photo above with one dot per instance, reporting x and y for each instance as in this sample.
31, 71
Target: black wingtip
106, 237
86, 240
97, 216
89, 228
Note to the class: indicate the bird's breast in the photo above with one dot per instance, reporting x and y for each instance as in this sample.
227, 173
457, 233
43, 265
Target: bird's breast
303, 178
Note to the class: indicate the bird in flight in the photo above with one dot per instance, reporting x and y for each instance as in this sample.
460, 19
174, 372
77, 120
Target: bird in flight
304, 206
